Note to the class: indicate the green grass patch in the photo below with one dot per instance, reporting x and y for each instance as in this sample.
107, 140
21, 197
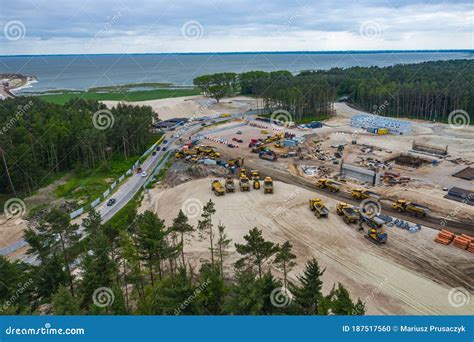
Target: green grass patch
130, 96
86, 186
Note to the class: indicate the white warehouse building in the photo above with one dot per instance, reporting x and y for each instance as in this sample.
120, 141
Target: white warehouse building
394, 126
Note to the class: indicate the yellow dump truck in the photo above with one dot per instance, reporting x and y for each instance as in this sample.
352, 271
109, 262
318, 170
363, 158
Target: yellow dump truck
254, 175
413, 208
317, 205
329, 184
256, 184
362, 194
217, 187
244, 183
243, 172
268, 185
229, 185
350, 215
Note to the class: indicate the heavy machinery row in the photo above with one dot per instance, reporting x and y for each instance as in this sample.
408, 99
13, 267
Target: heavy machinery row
245, 183
351, 214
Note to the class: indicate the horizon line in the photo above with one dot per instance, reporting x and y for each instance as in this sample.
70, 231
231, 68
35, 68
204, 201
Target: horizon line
244, 52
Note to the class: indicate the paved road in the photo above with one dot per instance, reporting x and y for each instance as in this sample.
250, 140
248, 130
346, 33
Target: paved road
132, 184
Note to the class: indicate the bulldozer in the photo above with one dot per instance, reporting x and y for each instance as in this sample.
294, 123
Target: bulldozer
362, 194
350, 215
256, 184
268, 185
376, 236
217, 187
254, 175
413, 208
317, 205
229, 185
244, 183
329, 184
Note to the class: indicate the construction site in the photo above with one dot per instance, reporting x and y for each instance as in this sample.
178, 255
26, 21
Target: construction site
386, 212
383, 210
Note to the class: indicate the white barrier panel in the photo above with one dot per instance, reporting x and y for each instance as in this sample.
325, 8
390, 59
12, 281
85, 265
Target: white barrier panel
76, 213
106, 193
114, 184
129, 172
121, 178
94, 204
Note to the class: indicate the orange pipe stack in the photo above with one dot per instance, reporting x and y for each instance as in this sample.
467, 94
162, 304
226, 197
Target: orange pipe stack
461, 242
444, 237
470, 246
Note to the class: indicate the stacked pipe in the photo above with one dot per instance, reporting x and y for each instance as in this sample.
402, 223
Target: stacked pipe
444, 237
461, 242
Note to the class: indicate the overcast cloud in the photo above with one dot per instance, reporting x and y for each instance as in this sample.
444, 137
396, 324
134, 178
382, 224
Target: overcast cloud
105, 26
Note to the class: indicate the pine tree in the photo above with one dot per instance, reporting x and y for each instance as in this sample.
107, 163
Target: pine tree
256, 251
284, 259
211, 290
244, 296
223, 243
308, 294
63, 303
181, 226
341, 303
205, 225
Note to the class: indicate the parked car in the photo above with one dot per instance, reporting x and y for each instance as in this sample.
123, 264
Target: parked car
165, 141
203, 124
238, 132
153, 153
139, 170
111, 202
144, 174
165, 148
238, 140
158, 148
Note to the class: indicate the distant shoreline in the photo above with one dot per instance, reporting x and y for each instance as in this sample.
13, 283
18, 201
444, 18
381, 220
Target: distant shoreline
335, 52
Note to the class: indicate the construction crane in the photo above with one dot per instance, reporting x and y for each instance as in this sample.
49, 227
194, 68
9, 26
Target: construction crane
405, 206
317, 205
268, 185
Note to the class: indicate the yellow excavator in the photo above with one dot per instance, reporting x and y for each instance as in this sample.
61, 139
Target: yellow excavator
317, 205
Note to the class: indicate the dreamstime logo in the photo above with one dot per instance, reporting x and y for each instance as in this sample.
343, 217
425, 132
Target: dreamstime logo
14, 208
103, 119
458, 297
109, 22
103, 296
21, 288
14, 30
370, 206
192, 30
370, 30
459, 119
281, 297
192, 207
281, 119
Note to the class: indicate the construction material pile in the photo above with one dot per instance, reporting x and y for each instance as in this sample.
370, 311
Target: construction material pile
462, 241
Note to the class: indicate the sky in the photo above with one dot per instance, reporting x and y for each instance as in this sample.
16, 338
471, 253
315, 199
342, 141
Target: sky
148, 26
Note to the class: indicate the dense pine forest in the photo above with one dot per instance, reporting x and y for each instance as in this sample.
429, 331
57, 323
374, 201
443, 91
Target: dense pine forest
136, 264
39, 140
426, 91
